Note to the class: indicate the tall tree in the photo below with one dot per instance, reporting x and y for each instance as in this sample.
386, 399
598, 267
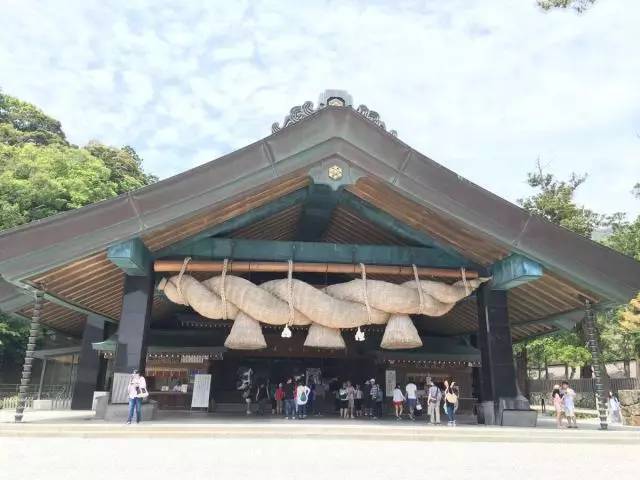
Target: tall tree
41, 174
555, 201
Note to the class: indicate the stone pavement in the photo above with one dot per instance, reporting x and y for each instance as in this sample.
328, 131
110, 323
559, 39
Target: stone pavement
281, 456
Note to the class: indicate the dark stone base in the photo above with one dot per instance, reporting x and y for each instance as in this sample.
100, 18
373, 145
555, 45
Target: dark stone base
519, 418
119, 412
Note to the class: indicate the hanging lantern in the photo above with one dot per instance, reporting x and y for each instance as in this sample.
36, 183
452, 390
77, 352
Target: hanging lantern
400, 333
320, 336
245, 334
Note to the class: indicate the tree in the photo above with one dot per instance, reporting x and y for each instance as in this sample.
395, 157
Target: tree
629, 316
555, 201
41, 174
13, 335
22, 122
577, 5
124, 164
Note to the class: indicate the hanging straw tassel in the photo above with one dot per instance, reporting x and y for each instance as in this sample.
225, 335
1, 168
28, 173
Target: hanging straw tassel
246, 334
324, 337
400, 333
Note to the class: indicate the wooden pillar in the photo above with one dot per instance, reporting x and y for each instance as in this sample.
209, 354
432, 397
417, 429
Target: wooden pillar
134, 323
88, 364
34, 331
498, 383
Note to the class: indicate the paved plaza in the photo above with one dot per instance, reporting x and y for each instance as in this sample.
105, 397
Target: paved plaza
282, 457
200, 446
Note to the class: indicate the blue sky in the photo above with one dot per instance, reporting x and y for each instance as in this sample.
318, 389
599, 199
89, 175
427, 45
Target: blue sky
482, 86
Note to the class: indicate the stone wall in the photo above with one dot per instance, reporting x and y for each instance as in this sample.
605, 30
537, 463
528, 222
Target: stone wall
630, 405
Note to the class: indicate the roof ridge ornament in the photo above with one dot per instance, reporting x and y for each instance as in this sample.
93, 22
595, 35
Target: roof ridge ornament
333, 98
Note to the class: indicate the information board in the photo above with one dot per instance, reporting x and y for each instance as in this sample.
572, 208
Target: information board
390, 382
201, 388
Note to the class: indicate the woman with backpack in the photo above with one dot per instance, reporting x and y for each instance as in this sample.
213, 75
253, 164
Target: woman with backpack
451, 393
302, 397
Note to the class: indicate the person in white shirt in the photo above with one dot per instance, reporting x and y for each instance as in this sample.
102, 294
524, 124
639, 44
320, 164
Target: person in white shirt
302, 397
398, 401
434, 397
411, 390
137, 390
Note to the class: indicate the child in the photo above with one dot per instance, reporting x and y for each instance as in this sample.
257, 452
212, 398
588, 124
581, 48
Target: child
398, 401
556, 396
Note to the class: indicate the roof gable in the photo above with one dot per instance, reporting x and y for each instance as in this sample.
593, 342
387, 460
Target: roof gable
330, 135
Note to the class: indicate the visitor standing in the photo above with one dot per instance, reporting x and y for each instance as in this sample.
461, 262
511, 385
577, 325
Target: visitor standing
359, 396
412, 398
351, 400
434, 398
556, 398
137, 390
373, 397
398, 401
261, 398
451, 393
279, 396
615, 415
379, 402
271, 392
343, 397
366, 396
311, 403
568, 402
302, 397
289, 399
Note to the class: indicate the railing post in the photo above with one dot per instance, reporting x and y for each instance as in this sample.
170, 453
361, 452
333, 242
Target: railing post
593, 343
34, 331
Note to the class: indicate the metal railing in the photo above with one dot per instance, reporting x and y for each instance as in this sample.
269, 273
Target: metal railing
60, 395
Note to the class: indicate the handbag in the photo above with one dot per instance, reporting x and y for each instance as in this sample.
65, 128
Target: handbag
142, 393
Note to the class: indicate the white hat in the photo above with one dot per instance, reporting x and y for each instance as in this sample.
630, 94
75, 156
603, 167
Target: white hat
373, 380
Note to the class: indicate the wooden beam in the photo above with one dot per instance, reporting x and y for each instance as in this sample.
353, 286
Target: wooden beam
283, 267
318, 252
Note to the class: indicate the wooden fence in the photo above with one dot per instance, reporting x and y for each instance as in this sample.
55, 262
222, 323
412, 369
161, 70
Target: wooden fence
584, 385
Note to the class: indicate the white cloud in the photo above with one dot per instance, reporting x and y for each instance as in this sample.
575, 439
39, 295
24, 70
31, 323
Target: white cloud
483, 87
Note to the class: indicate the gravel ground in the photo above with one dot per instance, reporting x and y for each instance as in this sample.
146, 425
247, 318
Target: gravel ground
238, 459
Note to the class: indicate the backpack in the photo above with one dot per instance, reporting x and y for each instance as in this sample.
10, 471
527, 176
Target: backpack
343, 394
303, 396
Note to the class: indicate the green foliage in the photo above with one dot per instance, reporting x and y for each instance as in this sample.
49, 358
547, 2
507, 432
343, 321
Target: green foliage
41, 174
13, 338
625, 237
554, 201
577, 5
22, 122
124, 164
559, 348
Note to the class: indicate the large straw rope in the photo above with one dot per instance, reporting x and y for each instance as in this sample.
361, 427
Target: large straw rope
291, 301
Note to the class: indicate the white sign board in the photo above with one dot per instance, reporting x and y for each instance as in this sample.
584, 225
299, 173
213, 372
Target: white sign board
201, 388
120, 388
390, 382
